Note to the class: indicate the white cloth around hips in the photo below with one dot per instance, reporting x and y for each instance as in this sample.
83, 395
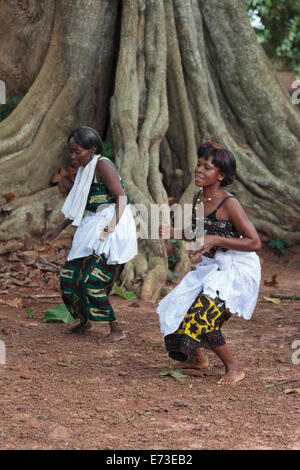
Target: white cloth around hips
233, 276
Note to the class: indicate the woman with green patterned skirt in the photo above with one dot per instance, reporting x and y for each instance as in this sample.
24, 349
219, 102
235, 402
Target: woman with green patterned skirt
105, 238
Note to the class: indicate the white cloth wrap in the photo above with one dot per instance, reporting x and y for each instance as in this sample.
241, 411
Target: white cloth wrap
75, 203
234, 274
119, 247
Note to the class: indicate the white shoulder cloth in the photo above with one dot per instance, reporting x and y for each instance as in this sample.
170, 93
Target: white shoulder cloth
75, 203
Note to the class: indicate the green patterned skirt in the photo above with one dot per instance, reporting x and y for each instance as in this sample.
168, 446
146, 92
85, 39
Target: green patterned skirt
85, 286
201, 327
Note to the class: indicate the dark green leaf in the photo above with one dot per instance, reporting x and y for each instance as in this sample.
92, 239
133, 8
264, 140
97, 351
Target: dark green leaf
58, 313
30, 313
176, 374
128, 295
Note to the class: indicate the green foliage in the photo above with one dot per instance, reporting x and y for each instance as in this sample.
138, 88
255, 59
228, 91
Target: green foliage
176, 242
173, 259
59, 313
279, 30
6, 109
30, 313
176, 374
108, 149
172, 276
279, 245
128, 295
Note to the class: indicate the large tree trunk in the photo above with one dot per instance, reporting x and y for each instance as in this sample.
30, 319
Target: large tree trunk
186, 71
61, 95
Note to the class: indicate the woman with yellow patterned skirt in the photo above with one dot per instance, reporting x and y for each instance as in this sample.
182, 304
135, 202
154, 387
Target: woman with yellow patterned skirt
200, 327
225, 281
105, 238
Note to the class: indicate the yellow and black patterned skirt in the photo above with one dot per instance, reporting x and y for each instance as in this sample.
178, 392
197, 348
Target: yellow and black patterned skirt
85, 285
199, 328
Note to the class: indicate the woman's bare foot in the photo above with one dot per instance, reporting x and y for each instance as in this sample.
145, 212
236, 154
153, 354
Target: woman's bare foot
113, 337
116, 333
197, 361
233, 373
232, 376
81, 327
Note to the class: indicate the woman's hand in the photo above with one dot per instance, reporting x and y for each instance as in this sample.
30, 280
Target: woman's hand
51, 235
209, 241
105, 233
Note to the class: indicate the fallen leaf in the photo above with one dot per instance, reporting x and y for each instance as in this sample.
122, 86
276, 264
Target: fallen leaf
164, 372
273, 300
20, 283
176, 374
17, 302
10, 196
25, 375
14, 257
61, 242
56, 177
292, 390
59, 313
134, 304
281, 360
64, 178
9, 246
195, 372
273, 282
128, 295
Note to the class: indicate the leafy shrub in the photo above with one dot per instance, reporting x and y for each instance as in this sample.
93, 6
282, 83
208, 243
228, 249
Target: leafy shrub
278, 29
279, 245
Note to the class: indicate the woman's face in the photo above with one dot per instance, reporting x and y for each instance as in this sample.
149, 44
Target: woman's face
206, 173
80, 156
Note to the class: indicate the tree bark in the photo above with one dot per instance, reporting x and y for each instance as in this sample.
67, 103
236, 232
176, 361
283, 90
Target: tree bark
160, 77
32, 138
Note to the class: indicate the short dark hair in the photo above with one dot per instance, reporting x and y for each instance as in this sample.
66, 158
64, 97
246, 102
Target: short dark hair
221, 157
87, 138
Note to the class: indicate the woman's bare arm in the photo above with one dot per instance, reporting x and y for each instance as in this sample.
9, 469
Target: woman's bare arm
107, 173
233, 211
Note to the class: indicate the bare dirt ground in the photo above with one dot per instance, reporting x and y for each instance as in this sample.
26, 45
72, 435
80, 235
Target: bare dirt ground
61, 391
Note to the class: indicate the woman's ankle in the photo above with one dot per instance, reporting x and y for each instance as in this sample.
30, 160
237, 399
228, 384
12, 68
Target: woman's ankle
115, 327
